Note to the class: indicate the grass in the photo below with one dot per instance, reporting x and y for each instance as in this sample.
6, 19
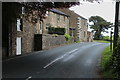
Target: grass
106, 72
77, 42
102, 41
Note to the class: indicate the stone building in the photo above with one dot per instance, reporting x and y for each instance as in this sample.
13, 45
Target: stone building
78, 25
82, 29
55, 18
21, 36
18, 34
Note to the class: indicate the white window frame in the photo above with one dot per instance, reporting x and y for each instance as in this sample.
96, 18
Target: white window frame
47, 13
23, 10
18, 25
40, 25
46, 26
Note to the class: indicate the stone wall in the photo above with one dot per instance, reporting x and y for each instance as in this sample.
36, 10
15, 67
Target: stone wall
52, 40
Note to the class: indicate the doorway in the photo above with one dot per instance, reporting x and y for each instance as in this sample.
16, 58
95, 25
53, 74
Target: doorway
18, 46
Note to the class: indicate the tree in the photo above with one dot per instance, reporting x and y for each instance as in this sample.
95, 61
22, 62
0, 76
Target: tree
43, 6
99, 25
36, 10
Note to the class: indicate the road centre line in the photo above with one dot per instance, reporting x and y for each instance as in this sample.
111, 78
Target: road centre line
59, 58
29, 78
67, 54
73, 50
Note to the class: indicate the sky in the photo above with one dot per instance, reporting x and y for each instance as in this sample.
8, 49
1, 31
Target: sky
105, 9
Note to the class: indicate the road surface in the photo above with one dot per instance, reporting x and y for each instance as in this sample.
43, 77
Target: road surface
79, 60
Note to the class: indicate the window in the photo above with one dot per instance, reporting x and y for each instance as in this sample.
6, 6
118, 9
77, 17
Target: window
47, 13
84, 33
79, 19
64, 18
85, 23
47, 25
23, 10
58, 18
19, 24
40, 25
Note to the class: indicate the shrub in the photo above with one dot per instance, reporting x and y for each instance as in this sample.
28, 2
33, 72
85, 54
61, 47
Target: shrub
110, 62
53, 30
60, 31
115, 61
117, 58
67, 36
106, 38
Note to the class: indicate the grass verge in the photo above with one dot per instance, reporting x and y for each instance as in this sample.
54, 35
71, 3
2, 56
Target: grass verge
101, 41
105, 70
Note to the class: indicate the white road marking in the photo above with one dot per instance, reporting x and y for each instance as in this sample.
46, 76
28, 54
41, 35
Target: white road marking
59, 58
73, 50
29, 78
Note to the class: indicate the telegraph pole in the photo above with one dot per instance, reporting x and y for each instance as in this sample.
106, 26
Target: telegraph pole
116, 25
111, 48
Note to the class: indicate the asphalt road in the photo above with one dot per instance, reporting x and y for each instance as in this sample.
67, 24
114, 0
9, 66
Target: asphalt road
78, 60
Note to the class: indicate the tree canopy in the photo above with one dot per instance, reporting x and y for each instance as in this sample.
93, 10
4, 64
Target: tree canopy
99, 25
37, 9
42, 6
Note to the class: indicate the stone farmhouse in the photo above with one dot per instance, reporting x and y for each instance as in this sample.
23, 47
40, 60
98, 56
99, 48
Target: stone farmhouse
78, 25
56, 18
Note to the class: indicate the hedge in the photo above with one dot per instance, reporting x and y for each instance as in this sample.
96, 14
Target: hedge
53, 30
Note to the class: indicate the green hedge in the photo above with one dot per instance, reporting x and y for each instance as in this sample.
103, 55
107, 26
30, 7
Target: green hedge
116, 59
53, 30
106, 38
110, 64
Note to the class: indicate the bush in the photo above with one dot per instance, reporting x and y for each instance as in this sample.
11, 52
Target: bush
105, 68
106, 38
60, 31
53, 30
67, 36
110, 62
116, 59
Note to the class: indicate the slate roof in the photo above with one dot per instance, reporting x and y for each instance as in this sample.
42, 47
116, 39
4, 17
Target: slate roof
58, 12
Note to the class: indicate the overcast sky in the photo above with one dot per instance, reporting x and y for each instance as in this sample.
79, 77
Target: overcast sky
105, 9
